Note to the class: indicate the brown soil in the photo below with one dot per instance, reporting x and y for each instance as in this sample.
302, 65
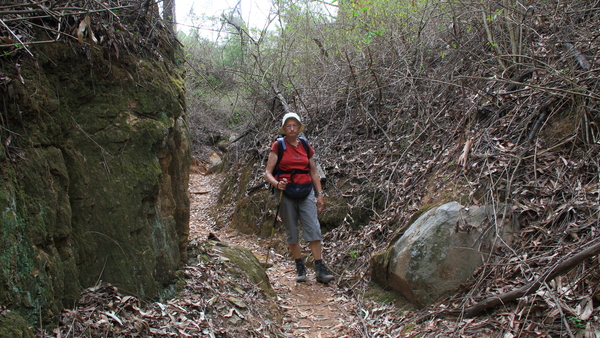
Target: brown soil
310, 309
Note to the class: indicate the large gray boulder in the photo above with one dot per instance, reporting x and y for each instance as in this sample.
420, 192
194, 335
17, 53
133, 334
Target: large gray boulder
440, 250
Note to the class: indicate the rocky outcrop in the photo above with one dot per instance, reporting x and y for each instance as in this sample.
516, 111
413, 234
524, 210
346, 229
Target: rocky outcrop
95, 161
245, 261
440, 250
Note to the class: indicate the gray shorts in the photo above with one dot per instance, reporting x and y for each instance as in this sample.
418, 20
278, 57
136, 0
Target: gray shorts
304, 210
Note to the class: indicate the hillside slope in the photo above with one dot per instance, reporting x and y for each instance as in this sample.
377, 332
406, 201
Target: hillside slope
402, 125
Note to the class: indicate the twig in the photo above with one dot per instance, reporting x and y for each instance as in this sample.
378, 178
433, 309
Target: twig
248, 131
556, 90
530, 288
362, 321
562, 314
282, 99
16, 37
88, 136
62, 15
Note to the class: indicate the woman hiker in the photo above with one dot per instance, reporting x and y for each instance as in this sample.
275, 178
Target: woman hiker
295, 174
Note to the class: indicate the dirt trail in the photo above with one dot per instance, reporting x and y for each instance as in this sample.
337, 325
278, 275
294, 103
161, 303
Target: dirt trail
312, 310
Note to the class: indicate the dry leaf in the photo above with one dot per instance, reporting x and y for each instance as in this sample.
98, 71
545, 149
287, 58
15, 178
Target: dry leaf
237, 302
462, 160
113, 316
141, 325
85, 30
183, 334
81, 29
126, 299
585, 309
229, 314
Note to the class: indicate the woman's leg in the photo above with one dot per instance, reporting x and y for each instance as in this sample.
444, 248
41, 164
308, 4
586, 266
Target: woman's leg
296, 250
323, 274
316, 247
289, 216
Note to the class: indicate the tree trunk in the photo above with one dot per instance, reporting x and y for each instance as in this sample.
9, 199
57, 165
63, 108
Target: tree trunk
169, 13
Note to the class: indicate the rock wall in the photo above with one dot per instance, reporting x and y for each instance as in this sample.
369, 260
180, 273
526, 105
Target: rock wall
94, 167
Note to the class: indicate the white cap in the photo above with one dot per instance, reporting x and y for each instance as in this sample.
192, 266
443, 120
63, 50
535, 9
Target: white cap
294, 116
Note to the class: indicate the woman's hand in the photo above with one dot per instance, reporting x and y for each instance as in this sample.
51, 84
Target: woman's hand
282, 184
320, 203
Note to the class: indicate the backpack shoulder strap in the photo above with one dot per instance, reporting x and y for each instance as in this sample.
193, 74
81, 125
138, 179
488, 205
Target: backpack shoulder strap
304, 144
306, 148
280, 149
281, 144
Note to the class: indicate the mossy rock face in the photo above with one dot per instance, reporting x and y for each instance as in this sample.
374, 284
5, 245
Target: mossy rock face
336, 209
379, 266
382, 295
38, 268
247, 262
247, 214
14, 326
94, 178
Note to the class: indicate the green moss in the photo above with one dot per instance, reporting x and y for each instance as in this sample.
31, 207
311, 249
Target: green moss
408, 328
380, 295
197, 254
180, 282
14, 326
247, 262
379, 266
37, 270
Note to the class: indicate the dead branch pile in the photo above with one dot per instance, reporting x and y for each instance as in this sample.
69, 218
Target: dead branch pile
133, 27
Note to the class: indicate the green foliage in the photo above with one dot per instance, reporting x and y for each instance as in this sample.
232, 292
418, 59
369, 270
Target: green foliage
366, 20
577, 323
221, 75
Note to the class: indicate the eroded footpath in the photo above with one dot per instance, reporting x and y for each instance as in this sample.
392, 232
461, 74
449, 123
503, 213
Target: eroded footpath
310, 309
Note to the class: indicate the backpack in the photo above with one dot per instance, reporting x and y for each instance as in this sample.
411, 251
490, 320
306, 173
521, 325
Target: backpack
293, 190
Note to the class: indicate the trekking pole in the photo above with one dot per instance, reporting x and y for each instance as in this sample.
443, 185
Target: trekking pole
273, 228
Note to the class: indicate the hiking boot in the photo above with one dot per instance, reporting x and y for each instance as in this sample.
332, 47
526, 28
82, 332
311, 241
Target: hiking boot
323, 275
301, 271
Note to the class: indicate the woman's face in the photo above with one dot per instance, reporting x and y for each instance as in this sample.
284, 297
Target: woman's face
291, 127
